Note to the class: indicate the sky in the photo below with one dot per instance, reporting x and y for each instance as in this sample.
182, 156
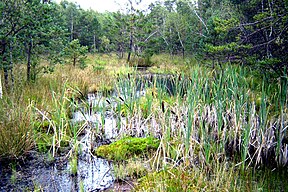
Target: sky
105, 5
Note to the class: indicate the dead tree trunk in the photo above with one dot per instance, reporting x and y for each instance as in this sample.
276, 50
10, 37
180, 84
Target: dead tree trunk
130, 47
4, 61
29, 52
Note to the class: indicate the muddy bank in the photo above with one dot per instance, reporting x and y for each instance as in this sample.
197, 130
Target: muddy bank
38, 171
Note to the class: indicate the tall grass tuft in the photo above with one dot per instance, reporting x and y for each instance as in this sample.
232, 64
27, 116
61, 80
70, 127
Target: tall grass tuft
16, 128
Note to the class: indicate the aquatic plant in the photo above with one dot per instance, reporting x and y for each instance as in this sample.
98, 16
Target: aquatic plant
14, 176
59, 121
221, 116
213, 115
73, 165
81, 188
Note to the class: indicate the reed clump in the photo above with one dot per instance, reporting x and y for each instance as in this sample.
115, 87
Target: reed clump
212, 116
218, 111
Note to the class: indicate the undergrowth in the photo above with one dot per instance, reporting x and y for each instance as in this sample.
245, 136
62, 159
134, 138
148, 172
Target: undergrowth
216, 129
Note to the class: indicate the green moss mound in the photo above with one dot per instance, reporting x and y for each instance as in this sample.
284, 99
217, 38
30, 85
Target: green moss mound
128, 147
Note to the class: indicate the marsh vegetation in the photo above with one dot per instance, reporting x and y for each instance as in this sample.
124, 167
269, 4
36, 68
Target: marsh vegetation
205, 128
179, 97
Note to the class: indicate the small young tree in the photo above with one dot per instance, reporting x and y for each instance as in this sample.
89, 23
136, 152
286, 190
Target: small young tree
76, 52
104, 44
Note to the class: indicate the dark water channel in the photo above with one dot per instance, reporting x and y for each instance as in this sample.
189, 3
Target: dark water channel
39, 171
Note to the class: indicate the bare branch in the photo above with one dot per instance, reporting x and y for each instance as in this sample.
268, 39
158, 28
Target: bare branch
274, 39
199, 17
201, 20
150, 36
256, 22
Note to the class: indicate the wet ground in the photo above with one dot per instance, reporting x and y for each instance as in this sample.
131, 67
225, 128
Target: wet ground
121, 186
38, 171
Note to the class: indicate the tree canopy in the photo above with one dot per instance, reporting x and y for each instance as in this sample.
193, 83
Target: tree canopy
252, 33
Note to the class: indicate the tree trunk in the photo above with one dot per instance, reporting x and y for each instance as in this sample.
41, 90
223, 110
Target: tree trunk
122, 51
29, 52
94, 42
1, 91
6, 78
4, 60
130, 47
11, 65
74, 61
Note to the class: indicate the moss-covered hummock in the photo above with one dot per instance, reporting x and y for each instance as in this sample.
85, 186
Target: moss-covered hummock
126, 148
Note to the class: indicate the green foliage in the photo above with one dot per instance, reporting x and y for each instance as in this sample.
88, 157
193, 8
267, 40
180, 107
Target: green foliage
218, 114
55, 131
44, 141
222, 26
264, 30
76, 53
13, 177
126, 148
99, 64
98, 68
104, 44
142, 105
222, 40
145, 105
225, 49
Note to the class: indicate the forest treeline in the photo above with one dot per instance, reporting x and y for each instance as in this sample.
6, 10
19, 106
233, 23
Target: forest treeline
245, 32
